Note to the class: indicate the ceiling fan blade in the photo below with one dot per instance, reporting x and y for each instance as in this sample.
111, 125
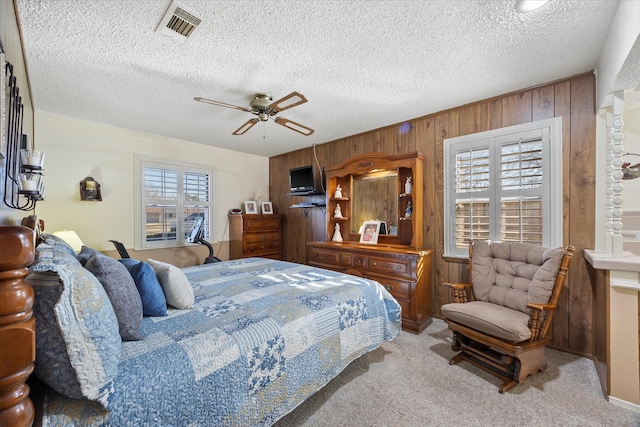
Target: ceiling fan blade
220, 104
306, 131
289, 101
245, 127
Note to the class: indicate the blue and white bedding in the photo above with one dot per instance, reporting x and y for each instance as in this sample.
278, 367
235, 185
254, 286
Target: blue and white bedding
262, 337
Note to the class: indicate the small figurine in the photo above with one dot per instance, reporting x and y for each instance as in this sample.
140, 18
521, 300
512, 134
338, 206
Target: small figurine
407, 212
338, 193
337, 213
337, 237
407, 186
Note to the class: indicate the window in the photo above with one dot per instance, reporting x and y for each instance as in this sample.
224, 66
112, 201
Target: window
171, 197
504, 185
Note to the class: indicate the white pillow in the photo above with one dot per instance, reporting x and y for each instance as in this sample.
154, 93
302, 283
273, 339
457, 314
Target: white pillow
177, 288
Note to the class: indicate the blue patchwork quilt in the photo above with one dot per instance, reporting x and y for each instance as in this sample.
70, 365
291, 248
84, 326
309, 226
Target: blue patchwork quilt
263, 336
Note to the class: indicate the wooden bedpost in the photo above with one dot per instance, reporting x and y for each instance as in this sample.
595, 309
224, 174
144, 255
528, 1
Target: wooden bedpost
17, 326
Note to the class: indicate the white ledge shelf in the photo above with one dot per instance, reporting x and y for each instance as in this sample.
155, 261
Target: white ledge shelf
605, 261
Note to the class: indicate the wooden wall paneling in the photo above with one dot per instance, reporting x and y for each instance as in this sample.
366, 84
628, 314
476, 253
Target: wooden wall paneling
405, 137
425, 143
470, 119
388, 141
516, 109
491, 114
542, 103
356, 145
377, 141
368, 143
453, 268
562, 108
582, 208
573, 99
440, 266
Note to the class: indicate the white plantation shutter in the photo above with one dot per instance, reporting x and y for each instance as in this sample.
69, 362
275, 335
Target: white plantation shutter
472, 195
504, 185
173, 196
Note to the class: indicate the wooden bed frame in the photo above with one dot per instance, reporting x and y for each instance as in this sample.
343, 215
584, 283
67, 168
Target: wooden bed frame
17, 325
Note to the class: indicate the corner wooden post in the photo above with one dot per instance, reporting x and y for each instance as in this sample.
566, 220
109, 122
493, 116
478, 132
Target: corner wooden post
17, 326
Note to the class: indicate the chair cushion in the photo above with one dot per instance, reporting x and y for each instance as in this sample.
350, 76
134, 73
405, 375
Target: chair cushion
514, 274
492, 319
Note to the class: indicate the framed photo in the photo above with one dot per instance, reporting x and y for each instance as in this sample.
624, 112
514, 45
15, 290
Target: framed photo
370, 232
250, 207
267, 208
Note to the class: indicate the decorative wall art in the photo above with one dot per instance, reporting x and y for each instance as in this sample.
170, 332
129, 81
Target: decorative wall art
90, 190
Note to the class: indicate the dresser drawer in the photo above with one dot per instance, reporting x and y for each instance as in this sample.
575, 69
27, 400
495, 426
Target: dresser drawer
399, 289
397, 267
260, 224
256, 249
261, 237
324, 257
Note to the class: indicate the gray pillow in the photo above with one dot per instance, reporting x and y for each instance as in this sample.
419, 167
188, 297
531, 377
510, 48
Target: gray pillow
122, 292
85, 253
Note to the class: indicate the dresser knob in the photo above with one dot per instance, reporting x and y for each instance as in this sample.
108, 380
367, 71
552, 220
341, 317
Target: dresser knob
388, 287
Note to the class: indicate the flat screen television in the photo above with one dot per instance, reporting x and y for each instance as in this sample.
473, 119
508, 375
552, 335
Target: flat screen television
301, 180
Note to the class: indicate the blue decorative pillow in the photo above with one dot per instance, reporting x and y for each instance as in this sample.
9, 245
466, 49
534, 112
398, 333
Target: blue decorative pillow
122, 292
77, 339
154, 302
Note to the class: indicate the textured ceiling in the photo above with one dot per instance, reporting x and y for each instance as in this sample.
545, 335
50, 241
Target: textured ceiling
361, 64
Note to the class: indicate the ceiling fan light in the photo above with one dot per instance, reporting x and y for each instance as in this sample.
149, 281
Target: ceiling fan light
263, 116
525, 6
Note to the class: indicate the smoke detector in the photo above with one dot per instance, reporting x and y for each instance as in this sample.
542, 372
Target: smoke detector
178, 22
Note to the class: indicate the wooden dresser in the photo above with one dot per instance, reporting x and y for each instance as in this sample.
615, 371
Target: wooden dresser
255, 235
404, 272
377, 187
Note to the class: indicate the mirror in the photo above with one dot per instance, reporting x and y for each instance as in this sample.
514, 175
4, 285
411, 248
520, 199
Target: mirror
375, 197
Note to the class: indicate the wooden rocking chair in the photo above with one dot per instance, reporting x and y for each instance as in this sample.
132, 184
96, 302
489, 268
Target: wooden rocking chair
500, 321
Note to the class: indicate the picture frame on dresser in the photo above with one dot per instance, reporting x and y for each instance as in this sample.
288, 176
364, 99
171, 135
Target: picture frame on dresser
266, 208
370, 232
250, 207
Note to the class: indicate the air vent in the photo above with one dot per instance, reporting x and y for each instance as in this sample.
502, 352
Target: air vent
178, 22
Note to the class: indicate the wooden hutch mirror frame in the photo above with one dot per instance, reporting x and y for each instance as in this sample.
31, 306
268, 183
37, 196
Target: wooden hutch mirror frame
409, 229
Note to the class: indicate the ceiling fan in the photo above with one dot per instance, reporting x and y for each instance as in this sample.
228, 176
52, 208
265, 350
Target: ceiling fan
263, 106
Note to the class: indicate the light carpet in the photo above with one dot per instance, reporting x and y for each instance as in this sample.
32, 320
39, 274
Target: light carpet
409, 382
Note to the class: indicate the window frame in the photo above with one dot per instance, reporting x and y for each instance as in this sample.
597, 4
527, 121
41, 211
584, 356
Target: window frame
551, 191
141, 163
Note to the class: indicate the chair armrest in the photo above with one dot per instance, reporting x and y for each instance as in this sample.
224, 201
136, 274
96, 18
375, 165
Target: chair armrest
540, 315
541, 307
457, 285
459, 291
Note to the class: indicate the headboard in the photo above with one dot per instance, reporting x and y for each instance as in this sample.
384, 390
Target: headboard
17, 325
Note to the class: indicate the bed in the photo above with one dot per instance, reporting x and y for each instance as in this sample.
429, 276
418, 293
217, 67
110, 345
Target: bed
260, 337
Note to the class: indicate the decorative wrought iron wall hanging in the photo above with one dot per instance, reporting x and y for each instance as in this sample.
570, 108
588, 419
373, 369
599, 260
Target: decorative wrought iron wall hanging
23, 184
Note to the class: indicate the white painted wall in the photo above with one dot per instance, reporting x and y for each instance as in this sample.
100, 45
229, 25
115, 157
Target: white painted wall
77, 148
